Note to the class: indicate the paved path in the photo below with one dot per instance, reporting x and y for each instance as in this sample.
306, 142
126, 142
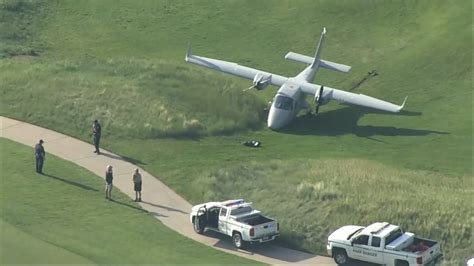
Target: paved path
159, 200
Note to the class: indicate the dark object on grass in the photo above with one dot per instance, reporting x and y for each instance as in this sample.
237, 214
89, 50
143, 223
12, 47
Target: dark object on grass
252, 143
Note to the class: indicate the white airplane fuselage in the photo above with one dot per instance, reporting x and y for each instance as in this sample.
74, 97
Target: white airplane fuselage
286, 104
290, 100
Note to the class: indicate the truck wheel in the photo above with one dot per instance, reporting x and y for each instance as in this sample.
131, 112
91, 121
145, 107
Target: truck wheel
401, 263
340, 257
237, 239
196, 226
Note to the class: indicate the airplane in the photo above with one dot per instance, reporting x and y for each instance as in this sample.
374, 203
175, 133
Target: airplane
290, 98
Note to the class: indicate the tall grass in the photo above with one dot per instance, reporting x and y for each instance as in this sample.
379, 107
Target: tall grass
131, 98
311, 198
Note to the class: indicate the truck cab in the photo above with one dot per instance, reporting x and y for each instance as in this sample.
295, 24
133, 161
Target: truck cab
234, 218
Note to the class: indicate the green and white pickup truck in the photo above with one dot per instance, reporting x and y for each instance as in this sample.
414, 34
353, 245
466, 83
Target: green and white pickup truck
382, 243
234, 218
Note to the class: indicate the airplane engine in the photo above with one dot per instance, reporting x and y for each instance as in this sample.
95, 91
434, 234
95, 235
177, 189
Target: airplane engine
319, 99
261, 81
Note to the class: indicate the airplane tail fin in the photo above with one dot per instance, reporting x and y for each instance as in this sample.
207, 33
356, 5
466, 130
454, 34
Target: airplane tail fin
318, 49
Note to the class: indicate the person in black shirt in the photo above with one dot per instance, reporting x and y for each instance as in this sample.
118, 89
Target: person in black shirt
96, 132
40, 155
108, 182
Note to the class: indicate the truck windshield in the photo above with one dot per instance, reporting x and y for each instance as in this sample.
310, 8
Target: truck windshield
241, 210
283, 102
393, 235
357, 231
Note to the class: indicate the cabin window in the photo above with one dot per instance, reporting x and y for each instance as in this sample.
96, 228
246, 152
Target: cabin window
393, 235
283, 102
375, 242
361, 240
240, 210
223, 211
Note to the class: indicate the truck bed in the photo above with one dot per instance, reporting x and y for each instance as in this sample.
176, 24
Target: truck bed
419, 245
253, 220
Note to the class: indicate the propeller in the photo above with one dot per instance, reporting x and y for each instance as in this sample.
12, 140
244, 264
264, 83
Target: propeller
319, 99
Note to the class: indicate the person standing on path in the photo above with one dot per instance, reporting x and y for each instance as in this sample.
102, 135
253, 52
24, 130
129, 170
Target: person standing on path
40, 155
108, 182
137, 182
96, 132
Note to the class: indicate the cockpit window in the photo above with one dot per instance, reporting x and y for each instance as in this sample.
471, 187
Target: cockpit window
283, 102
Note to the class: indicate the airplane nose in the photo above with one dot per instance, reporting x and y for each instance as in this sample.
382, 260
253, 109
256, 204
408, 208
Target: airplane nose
274, 121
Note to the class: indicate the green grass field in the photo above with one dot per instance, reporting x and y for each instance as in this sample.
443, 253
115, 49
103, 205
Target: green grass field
62, 218
122, 63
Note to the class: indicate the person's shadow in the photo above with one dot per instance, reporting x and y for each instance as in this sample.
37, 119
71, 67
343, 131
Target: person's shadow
74, 183
344, 121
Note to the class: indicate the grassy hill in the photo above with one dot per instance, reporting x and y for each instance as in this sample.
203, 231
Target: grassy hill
62, 217
122, 63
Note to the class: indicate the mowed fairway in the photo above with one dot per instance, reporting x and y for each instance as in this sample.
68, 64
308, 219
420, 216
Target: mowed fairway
63, 218
122, 62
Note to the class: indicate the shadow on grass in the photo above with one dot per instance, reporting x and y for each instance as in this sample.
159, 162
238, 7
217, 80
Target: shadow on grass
165, 207
344, 121
270, 250
79, 185
128, 205
124, 158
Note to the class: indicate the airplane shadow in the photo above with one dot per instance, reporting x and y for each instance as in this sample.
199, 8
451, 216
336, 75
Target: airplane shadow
79, 185
344, 121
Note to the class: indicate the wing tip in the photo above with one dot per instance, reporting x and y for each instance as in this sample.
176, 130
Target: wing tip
403, 104
188, 52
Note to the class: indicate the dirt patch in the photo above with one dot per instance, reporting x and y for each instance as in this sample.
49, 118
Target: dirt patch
23, 57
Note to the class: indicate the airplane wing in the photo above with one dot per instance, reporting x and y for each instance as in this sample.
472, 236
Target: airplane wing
352, 98
234, 69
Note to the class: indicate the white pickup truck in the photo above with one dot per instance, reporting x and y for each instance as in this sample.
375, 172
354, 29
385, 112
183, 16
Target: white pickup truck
234, 218
382, 243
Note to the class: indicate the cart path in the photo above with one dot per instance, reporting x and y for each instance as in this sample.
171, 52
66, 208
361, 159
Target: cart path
159, 200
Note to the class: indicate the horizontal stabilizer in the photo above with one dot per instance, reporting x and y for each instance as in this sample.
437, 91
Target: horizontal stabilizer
322, 63
299, 58
334, 66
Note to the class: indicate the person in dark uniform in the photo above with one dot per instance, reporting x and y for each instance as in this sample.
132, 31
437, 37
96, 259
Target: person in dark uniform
137, 182
40, 155
96, 132
108, 182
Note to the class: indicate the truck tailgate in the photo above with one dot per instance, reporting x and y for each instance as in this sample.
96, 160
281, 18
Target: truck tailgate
431, 253
265, 229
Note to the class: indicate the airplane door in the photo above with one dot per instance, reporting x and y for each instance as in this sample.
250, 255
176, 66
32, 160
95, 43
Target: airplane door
222, 226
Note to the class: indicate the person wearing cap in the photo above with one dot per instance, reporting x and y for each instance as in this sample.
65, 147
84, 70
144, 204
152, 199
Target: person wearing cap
40, 155
96, 132
108, 182
137, 182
